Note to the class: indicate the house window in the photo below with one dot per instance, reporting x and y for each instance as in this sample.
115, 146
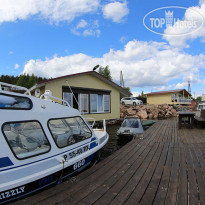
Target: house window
106, 103
84, 103
88, 102
174, 96
26, 139
99, 103
93, 103
68, 97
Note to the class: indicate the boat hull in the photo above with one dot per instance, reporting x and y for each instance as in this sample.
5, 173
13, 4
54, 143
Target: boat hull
52, 179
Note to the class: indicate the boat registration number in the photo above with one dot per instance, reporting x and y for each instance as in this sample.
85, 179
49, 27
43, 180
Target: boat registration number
76, 152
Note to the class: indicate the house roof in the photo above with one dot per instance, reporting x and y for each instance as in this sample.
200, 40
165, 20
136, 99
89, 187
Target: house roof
169, 91
122, 90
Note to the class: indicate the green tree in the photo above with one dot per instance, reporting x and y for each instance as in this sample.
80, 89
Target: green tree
198, 99
127, 88
24, 80
105, 71
32, 80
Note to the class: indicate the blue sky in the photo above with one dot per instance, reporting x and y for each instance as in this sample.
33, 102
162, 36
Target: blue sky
55, 38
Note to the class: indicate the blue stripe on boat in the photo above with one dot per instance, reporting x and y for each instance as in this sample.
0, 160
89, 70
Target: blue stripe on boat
93, 139
5, 162
93, 144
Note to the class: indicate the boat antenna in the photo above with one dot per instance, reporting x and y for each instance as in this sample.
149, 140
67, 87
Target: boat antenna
74, 97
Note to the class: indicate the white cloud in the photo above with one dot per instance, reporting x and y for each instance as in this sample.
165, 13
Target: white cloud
53, 10
86, 29
135, 94
58, 66
143, 64
115, 11
193, 14
123, 39
82, 24
181, 85
91, 32
16, 66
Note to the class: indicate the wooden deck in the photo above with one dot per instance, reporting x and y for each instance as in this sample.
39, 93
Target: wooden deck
167, 166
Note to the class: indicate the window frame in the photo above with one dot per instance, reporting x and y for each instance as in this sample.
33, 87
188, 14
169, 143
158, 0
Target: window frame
103, 98
71, 98
13, 122
10, 108
104, 104
67, 118
79, 97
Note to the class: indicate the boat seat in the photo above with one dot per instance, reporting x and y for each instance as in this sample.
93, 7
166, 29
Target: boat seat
22, 144
63, 139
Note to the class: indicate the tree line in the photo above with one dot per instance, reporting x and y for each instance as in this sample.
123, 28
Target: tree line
24, 80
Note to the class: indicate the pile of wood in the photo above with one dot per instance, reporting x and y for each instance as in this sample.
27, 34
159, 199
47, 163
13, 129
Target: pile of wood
148, 111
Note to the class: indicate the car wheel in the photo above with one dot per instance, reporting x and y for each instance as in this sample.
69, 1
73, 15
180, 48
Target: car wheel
134, 103
123, 103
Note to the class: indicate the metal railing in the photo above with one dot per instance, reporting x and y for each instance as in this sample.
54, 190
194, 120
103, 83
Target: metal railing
182, 100
14, 86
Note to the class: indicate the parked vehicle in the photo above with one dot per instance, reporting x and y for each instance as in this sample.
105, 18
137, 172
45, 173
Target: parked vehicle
41, 143
131, 101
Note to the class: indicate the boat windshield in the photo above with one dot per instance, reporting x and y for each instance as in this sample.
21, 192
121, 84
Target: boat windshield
68, 131
131, 123
26, 139
15, 102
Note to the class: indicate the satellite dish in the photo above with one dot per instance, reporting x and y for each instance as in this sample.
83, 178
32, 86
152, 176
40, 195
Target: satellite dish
37, 92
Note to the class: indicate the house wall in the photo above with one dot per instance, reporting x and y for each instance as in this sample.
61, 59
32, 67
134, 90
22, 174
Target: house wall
88, 81
164, 99
159, 99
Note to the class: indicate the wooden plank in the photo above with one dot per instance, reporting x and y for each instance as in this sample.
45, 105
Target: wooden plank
151, 190
164, 183
199, 174
171, 197
200, 158
138, 180
193, 197
183, 184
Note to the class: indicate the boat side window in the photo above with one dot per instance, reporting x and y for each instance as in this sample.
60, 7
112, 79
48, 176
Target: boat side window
68, 131
15, 102
26, 139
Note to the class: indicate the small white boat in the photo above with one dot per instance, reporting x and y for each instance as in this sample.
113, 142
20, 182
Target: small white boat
131, 126
41, 143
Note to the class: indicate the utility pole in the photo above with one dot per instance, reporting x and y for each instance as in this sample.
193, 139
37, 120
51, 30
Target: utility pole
189, 86
121, 80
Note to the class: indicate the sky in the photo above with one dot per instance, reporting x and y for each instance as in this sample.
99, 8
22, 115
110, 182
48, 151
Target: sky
52, 38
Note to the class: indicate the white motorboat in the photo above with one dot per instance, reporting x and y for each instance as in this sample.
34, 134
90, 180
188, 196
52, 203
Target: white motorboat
41, 143
131, 126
